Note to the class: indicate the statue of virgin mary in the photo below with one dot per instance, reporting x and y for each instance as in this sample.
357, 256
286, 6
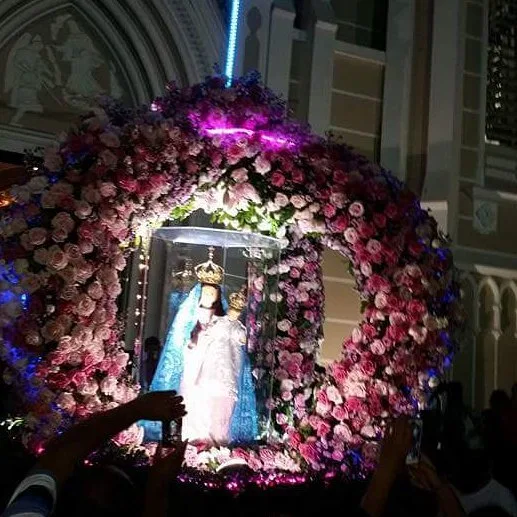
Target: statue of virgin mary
194, 354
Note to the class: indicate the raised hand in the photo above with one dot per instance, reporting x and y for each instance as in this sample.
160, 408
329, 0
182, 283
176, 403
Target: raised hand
165, 468
162, 406
396, 444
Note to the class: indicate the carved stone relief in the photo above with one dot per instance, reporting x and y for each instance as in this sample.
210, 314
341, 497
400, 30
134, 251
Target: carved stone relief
53, 71
485, 216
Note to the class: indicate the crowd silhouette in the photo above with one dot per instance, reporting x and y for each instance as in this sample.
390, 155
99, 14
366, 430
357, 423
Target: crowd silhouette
467, 467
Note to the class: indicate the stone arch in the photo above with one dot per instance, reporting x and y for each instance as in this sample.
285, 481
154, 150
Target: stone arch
488, 309
507, 343
148, 43
464, 365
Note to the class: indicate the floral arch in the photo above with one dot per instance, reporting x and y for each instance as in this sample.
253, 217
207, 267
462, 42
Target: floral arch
234, 152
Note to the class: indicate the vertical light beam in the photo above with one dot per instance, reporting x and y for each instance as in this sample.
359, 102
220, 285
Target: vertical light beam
232, 41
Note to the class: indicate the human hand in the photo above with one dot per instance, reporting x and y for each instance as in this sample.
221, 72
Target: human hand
424, 475
396, 445
166, 466
162, 406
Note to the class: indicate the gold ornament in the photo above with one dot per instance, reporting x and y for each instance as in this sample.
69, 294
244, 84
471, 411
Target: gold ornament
209, 272
239, 299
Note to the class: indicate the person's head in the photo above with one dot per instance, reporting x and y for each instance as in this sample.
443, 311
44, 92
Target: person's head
152, 343
454, 394
99, 492
499, 401
514, 391
470, 470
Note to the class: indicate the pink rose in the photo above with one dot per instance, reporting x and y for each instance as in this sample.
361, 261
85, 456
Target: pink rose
366, 268
340, 177
284, 325
396, 333
37, 236
109, 139
339, 224
377, 347
391, 211
310, 453
85, 247
339, 413
297, 176
262, 165
59, 235
379, 220
373, 247
281, 419
121, 359
110, 159
329, 211
131, 436
64, 221
277, 179
73, 251
339, 373
351, 235
281, 200
82, 209
66, 402
418, 333
378, 283
356, 209
52, 160
416, 309
84, 305
33, 338
240, 175
298, 201
334, 395
323, 429
398, 318
56, 258
381, 300
338, 199
90, 387
108, 189
95, 290
118, 261
343, 431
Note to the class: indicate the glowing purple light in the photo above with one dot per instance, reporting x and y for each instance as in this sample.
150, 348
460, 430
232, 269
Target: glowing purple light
232, 131
229, 131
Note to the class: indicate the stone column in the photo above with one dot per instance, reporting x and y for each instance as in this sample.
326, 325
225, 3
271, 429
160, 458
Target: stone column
397, 86
445, 112
253, 37
280, 47
322, 37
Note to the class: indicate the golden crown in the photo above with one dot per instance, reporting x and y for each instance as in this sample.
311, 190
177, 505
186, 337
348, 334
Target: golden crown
209, 272
239, 299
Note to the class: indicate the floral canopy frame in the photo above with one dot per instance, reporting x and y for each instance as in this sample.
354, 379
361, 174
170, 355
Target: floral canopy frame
234, 153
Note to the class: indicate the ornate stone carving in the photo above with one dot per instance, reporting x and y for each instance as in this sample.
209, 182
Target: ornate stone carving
59, 64
485, 216
194, 38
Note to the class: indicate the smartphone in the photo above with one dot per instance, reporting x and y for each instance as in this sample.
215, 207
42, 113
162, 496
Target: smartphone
171, 433
414, 454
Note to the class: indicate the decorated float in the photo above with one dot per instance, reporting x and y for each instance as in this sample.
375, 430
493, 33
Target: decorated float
109, 186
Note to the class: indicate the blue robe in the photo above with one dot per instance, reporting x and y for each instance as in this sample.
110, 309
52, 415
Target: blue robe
169, 372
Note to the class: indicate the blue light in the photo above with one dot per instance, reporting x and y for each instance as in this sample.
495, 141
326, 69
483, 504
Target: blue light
232, 41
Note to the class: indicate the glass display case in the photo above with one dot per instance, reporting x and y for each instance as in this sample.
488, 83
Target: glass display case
208, 330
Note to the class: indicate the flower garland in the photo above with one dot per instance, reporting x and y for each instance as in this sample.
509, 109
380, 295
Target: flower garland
233, 153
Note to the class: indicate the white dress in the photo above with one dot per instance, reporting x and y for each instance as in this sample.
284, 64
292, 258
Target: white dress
210, 381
